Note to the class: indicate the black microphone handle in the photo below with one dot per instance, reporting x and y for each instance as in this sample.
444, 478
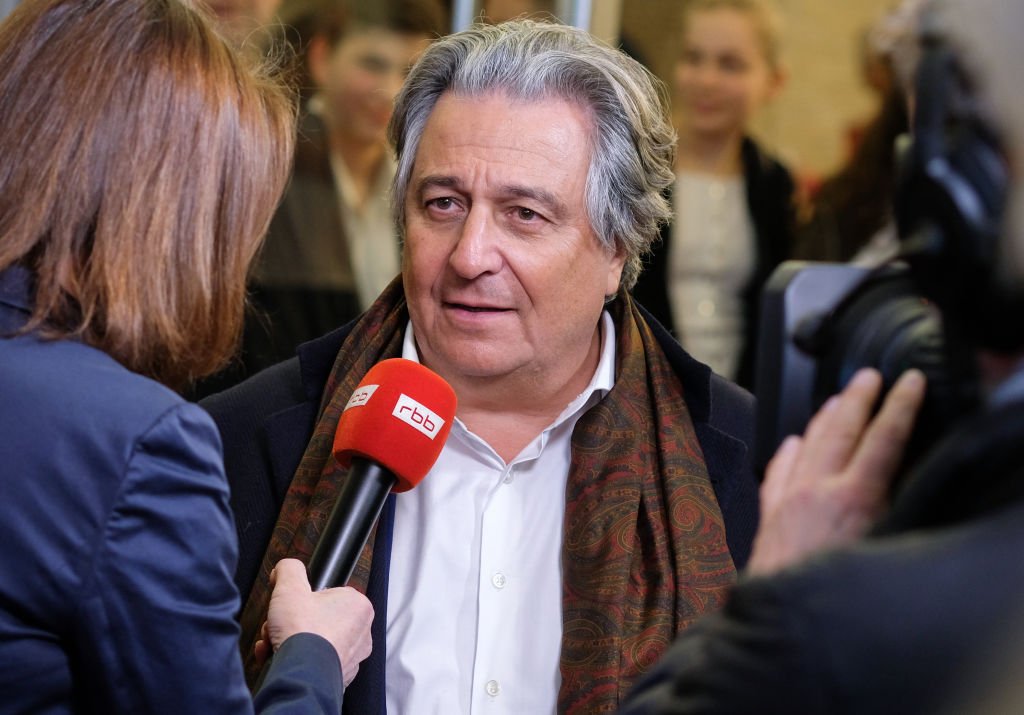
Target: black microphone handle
348, 527
355, 512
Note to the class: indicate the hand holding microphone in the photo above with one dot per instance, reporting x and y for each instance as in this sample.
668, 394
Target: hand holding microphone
342, 616
391, 432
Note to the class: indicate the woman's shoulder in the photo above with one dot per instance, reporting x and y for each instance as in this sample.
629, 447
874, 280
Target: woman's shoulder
71, 372
82, 437
64, 389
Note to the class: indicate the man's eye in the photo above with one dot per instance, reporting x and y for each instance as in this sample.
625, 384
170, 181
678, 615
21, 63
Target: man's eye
444, 203
526, 214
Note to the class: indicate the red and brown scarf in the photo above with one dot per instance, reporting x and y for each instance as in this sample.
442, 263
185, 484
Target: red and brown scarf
644, 552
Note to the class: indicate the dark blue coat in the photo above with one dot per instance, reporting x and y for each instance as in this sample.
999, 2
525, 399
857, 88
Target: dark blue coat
116, 590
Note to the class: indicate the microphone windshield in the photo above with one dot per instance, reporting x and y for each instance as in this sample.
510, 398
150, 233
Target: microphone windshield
399, 417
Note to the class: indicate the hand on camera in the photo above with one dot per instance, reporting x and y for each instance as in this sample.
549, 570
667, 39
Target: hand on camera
825, 489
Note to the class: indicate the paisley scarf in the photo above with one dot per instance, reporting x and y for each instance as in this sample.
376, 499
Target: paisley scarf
644, 552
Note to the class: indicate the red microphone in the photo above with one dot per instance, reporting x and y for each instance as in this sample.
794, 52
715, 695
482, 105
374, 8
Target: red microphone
390, 434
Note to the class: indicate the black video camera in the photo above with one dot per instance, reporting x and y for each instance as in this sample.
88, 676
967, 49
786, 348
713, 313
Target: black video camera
931, 308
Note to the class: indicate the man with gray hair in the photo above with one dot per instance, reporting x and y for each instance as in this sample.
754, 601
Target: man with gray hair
595, 496
906, 619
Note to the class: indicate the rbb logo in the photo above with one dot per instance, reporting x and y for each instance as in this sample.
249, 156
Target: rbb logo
361, 396
418, 416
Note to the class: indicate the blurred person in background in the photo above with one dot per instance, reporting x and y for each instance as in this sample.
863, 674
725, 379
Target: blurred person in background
332, 246
128, 218
732, 202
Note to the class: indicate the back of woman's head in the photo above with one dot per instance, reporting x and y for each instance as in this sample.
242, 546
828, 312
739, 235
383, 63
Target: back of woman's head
142, 161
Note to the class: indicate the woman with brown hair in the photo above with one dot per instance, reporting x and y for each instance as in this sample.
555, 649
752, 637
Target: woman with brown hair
140, 161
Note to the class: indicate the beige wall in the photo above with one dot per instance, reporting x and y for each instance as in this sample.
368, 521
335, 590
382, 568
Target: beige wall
807, 124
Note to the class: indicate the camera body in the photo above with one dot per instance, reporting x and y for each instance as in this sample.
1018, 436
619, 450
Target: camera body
821, 322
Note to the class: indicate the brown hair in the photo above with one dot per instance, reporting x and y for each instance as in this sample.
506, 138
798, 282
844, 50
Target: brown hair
767, 22
142, 160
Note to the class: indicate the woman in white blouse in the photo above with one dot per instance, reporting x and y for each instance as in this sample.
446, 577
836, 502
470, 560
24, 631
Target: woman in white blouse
732, 202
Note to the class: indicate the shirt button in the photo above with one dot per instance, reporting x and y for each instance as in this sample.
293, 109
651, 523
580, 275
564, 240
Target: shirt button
706, 308
492, 688
508, 478
498, 580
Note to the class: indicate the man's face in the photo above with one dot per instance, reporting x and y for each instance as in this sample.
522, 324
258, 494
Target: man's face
503, 274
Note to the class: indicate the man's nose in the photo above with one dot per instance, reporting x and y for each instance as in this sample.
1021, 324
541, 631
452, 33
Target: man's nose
477, 248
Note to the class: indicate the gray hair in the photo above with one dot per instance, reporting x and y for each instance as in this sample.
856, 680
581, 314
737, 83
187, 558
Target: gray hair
631, 163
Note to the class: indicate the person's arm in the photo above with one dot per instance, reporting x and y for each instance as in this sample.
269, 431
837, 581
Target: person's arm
755, 656
303, 677
155, 629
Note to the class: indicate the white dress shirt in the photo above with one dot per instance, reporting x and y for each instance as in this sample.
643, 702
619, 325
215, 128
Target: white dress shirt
474, 617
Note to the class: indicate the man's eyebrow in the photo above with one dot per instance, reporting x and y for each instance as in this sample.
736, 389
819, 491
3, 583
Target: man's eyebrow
554, 206
433, 180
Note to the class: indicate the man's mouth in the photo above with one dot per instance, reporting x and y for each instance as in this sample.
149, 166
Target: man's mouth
476, 308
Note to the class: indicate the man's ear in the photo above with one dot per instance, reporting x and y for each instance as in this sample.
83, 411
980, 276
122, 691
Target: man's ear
615, 266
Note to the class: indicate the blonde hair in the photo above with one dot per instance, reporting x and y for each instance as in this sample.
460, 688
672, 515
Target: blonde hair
766, 18
142, 160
